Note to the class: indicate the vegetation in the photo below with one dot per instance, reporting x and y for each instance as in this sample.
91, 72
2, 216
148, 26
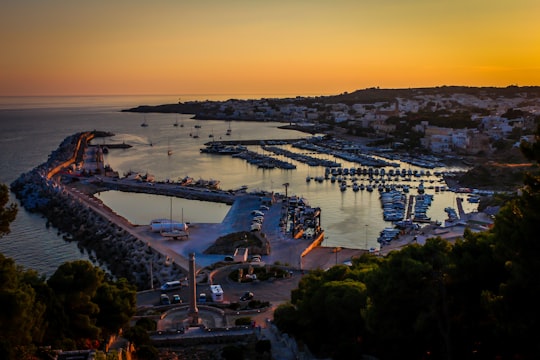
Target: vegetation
7, 212
472, 299
78, 307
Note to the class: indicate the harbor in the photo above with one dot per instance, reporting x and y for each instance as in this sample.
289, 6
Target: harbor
152, 172
407, 212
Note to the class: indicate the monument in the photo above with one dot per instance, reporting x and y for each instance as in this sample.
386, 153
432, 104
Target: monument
193, 312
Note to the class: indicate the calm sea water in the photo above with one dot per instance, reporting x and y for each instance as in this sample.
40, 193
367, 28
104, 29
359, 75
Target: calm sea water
32, 127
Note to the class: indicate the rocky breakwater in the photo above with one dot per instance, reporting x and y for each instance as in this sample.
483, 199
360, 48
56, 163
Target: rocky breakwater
108, 243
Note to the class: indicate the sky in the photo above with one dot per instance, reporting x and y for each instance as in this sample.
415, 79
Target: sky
303, 47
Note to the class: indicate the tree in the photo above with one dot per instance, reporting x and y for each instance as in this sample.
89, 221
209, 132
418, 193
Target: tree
326, 312
516, 246
74, 285
117, 304
7, 212
20, 313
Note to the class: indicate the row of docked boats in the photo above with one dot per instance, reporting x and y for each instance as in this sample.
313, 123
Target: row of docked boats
306, 159
394, 204
264, 161
222, 149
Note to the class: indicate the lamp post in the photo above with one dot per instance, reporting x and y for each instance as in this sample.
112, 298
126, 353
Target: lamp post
336, 250
286, 186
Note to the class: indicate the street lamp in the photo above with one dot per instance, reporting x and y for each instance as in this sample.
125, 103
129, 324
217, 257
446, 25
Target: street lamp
336, 250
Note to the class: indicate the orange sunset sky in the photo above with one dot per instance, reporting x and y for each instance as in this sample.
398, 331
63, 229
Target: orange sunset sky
304, 47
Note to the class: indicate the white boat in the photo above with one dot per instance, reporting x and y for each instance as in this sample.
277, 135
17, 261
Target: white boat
161, 225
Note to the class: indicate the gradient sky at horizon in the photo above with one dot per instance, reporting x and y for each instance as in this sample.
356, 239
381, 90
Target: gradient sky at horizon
298, 47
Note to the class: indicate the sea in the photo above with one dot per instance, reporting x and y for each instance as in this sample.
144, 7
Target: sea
32, 127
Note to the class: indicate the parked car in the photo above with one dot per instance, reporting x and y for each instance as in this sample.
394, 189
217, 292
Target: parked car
264, 208
257, 212
176, 299
228, 258
248, 295
164, 299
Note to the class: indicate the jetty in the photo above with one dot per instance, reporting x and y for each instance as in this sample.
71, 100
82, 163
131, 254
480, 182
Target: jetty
134, 251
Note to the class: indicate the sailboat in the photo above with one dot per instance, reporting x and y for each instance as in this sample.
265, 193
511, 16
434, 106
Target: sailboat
144, 123
229, 129
176, 123
174, 230
169, 150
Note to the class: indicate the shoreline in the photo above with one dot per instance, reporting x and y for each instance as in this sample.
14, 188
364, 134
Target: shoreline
132, 251
41, 190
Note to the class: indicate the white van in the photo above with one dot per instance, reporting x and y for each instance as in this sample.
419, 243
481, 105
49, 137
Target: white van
171, 285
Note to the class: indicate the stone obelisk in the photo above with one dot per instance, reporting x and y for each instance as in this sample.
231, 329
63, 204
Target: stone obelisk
193, 311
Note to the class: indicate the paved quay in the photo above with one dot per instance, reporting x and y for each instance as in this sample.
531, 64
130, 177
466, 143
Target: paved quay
284, 248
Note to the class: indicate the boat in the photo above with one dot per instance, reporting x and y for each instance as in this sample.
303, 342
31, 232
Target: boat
221, 149
176, 123
229, 129
170, 228
421, 187
144, 123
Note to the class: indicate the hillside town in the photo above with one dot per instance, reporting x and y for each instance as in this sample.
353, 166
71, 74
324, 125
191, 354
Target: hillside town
444, 120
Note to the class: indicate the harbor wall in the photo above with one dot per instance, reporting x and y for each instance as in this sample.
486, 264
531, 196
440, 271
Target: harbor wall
108, 243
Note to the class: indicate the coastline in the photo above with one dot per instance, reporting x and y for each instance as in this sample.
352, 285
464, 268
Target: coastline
134, 251
156, 257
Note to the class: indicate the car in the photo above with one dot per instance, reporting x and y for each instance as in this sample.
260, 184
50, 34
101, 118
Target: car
257, 212
228, 258
256, 258
264, 208
171, 285
176, 299
248, 295
164, 299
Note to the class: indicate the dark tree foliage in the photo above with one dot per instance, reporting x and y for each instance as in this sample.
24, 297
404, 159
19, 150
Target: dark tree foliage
75, 284
516, 245
7, 212
474, 299
117, 303
20, 314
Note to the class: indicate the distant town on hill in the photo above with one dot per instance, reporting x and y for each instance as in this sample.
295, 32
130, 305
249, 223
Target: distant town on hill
478, 125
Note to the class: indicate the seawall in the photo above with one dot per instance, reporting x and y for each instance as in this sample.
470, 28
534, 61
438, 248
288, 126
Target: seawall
107, 243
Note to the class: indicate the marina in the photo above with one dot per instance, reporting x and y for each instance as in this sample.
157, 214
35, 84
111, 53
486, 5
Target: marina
393, 183
351, 219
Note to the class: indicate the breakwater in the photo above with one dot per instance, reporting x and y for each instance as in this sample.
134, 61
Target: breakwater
110, 243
